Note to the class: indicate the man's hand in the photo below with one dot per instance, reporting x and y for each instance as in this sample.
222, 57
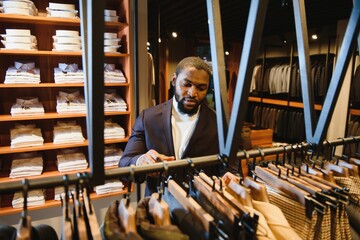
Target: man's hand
151, 157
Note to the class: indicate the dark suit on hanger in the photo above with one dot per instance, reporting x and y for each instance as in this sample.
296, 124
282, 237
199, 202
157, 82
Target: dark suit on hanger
152, 130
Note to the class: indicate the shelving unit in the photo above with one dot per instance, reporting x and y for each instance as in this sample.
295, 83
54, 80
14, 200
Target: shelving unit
46, 60
278, 102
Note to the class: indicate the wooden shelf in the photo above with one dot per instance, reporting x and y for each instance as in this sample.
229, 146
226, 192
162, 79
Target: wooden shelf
254, 99
275, 101
283, 103
14, 18
301, 105
52, 146
54, 53
9, 118
355, 112
54, 85
53, 203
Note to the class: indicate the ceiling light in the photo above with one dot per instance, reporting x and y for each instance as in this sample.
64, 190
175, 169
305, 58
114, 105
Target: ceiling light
159, 40
174, 34
148, 44
314, 36
227, 53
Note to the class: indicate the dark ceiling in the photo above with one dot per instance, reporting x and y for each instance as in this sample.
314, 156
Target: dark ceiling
189, 17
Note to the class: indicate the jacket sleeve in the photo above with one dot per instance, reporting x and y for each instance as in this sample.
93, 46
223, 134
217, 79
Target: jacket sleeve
136, 145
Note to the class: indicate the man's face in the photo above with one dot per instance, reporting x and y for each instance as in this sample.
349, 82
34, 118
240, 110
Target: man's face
191, 86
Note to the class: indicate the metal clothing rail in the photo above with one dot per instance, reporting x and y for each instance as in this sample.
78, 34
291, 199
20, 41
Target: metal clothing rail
134, 171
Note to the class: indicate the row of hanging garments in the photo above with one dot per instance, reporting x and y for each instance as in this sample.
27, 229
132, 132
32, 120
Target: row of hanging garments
320, 197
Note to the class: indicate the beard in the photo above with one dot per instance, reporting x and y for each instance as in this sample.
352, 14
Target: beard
183, 109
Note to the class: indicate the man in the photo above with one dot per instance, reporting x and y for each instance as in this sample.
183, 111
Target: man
180, 128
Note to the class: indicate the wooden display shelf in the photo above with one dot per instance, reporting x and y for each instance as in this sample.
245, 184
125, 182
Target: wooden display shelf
53, 53
53, 115
54, 203
301, 105
52, 146
53, 85
14, 18
283, 103
355, 112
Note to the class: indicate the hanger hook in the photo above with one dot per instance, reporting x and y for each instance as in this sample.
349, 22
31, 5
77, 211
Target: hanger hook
66, 189
25, 191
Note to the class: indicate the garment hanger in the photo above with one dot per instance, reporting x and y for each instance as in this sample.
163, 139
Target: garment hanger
334, 167
158, 208
127, 214
88, 208
24, 228
67, 226
78, 213
257, 189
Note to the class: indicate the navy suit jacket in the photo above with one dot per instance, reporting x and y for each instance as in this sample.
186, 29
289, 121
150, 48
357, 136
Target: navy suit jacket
152, 130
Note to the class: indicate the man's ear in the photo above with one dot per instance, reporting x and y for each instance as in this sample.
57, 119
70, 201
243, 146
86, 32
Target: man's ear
173, 80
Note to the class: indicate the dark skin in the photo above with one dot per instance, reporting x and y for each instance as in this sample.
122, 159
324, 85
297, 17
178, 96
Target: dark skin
191, 86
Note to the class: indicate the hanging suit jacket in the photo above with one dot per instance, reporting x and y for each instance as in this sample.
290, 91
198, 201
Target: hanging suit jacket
152, 130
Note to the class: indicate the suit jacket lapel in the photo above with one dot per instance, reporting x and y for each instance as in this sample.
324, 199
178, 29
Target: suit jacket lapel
166, 118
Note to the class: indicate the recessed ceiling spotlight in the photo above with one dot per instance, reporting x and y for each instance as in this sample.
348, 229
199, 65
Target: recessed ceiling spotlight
174, 34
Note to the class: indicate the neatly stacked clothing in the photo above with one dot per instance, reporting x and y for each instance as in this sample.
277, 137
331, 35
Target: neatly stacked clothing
71, 160
111, 42
70, 102
35, 198
112, 155
67, 40
113, 130
26, 136
61, 10
59, 192
113, 75
21, 7
110, 16
109, 187
113, 102
27, 106
68, 132
68, 73
26, 164
19, 39
22, 73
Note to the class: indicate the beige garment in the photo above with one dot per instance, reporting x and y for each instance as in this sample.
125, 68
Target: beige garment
263, 230
276, 220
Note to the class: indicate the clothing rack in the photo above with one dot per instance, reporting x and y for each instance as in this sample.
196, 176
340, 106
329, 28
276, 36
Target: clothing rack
134, 171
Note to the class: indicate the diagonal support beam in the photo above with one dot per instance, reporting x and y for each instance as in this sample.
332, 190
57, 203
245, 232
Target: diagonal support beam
317, 135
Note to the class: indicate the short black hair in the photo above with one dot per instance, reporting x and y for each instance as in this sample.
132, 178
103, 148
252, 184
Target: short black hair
195, 62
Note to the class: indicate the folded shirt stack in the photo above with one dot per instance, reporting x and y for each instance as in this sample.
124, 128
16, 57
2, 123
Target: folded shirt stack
61, 10
26, 136
19, 39
112, 155
113, 75
110, 16
113, 130
21, 7
27, 106
70, 102
67, 40
26, 164
35, 198
22, 73
111, 42
109, 187
67, 132
71, 160
68, 73
113, 102
59, 192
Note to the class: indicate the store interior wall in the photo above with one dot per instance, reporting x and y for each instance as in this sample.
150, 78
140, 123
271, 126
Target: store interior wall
337, 126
